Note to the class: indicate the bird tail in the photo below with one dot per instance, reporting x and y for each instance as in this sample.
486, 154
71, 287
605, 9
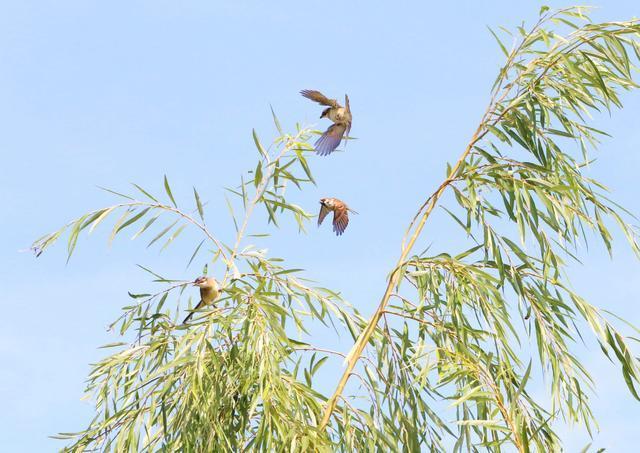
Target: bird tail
193, 312
189, 316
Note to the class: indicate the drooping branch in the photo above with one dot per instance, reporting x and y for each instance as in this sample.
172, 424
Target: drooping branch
534, 89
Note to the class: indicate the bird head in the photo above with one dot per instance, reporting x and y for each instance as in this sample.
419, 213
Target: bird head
328, 202
203, 282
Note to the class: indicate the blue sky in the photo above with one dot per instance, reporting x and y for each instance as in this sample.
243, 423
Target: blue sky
108, 93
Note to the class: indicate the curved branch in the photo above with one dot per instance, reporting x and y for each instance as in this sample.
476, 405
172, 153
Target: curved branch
490, 118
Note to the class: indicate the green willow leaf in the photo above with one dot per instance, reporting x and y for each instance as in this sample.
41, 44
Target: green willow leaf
167, 188
198, 204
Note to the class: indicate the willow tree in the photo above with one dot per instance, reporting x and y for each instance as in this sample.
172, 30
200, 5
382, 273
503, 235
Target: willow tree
465, 331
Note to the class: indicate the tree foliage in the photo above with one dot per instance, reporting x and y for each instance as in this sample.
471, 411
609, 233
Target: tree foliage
468, 328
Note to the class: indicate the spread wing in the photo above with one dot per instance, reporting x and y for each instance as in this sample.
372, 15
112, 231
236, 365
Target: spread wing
323, 213
319, 98
346, 102
329, 141
340, 219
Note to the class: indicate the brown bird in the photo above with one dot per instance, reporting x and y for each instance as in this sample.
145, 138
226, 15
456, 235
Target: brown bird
340, 213
341, 117
209, 293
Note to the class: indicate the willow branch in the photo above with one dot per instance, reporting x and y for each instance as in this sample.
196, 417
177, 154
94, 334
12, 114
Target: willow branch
260, 190
417, 225
364, 338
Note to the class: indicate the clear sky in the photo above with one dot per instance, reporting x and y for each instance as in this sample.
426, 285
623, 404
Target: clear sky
108, 93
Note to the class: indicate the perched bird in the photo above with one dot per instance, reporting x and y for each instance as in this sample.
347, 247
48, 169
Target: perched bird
341, 117
340, 213
209, 293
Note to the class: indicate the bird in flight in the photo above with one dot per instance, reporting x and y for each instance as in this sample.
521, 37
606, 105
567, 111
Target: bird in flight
341, 117
209, 293
340, 213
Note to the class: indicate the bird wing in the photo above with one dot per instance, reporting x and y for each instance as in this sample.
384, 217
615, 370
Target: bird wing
340, 219
348, 129
329, 141
207, 296
319, 98
323, 213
